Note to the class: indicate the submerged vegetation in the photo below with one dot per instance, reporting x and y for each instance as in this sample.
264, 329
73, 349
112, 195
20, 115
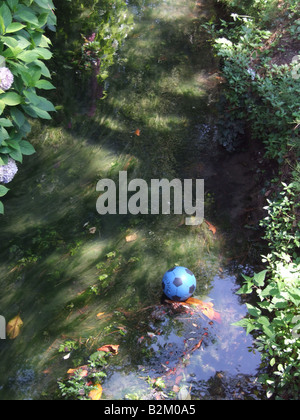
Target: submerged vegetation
138, 89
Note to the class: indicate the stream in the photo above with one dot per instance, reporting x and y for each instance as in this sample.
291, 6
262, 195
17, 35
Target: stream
73, 275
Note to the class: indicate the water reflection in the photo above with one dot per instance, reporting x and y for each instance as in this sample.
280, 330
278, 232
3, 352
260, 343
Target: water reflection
222, 367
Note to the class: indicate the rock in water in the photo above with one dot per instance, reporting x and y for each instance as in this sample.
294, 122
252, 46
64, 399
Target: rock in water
8, 172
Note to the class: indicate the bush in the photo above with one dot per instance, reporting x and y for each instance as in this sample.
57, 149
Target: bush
263, 95
276, 318
23, 73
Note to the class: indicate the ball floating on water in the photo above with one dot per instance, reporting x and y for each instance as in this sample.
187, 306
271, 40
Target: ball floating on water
179, 284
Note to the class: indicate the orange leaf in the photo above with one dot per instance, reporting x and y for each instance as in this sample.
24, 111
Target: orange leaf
137, 132
211, 227
198, 345
194, 301
110, 348
206, 308
211, 313
99, 315
82, 371
96, 394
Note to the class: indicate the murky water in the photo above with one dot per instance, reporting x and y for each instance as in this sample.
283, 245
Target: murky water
61, 264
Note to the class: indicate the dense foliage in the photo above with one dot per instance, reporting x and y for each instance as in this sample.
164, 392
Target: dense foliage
260, 61
88, 37
23, 74
276, 318
260, 92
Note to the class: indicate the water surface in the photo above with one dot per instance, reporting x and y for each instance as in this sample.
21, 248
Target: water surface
61, 264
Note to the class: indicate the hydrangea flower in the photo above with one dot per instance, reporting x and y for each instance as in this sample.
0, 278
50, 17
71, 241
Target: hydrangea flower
8, 172
6, 78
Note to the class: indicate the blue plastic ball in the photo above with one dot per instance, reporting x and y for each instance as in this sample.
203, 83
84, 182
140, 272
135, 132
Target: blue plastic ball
179, 284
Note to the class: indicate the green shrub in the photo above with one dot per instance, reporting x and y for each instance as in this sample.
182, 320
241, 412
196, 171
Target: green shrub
263, 95
276, 318
23, 50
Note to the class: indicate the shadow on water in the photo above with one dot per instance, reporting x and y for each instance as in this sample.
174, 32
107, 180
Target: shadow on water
61, 264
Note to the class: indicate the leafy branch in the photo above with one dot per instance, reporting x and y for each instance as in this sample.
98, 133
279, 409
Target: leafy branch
23, 73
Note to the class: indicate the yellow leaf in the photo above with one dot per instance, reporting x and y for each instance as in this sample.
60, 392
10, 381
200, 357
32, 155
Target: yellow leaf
14, 327
96, 394
131, 238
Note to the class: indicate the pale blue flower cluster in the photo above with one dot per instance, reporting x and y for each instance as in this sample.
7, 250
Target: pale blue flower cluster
8, 172
6, 78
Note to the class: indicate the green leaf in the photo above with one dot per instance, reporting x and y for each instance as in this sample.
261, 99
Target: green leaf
44, 84
11, 98
45, 4
14, 27
12, 4
13, 144
5, 122
18, 117
3, 190
6, 15
44, 69
28, 56
44, 53
26, 148
253, 310
40, 113
16, 155
1, 208
25, 14
2, 106
259, 279
2, 25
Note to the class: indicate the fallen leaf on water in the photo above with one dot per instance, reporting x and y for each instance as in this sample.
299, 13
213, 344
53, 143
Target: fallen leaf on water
131, 238
67, 356
206, 308
82, 371
14, 327
194, 301
110, 348
211, 227
96, 394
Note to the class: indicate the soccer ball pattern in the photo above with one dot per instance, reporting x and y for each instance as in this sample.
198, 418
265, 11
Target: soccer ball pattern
179, 284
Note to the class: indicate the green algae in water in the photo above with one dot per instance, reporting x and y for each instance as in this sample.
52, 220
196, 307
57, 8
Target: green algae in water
61, 264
